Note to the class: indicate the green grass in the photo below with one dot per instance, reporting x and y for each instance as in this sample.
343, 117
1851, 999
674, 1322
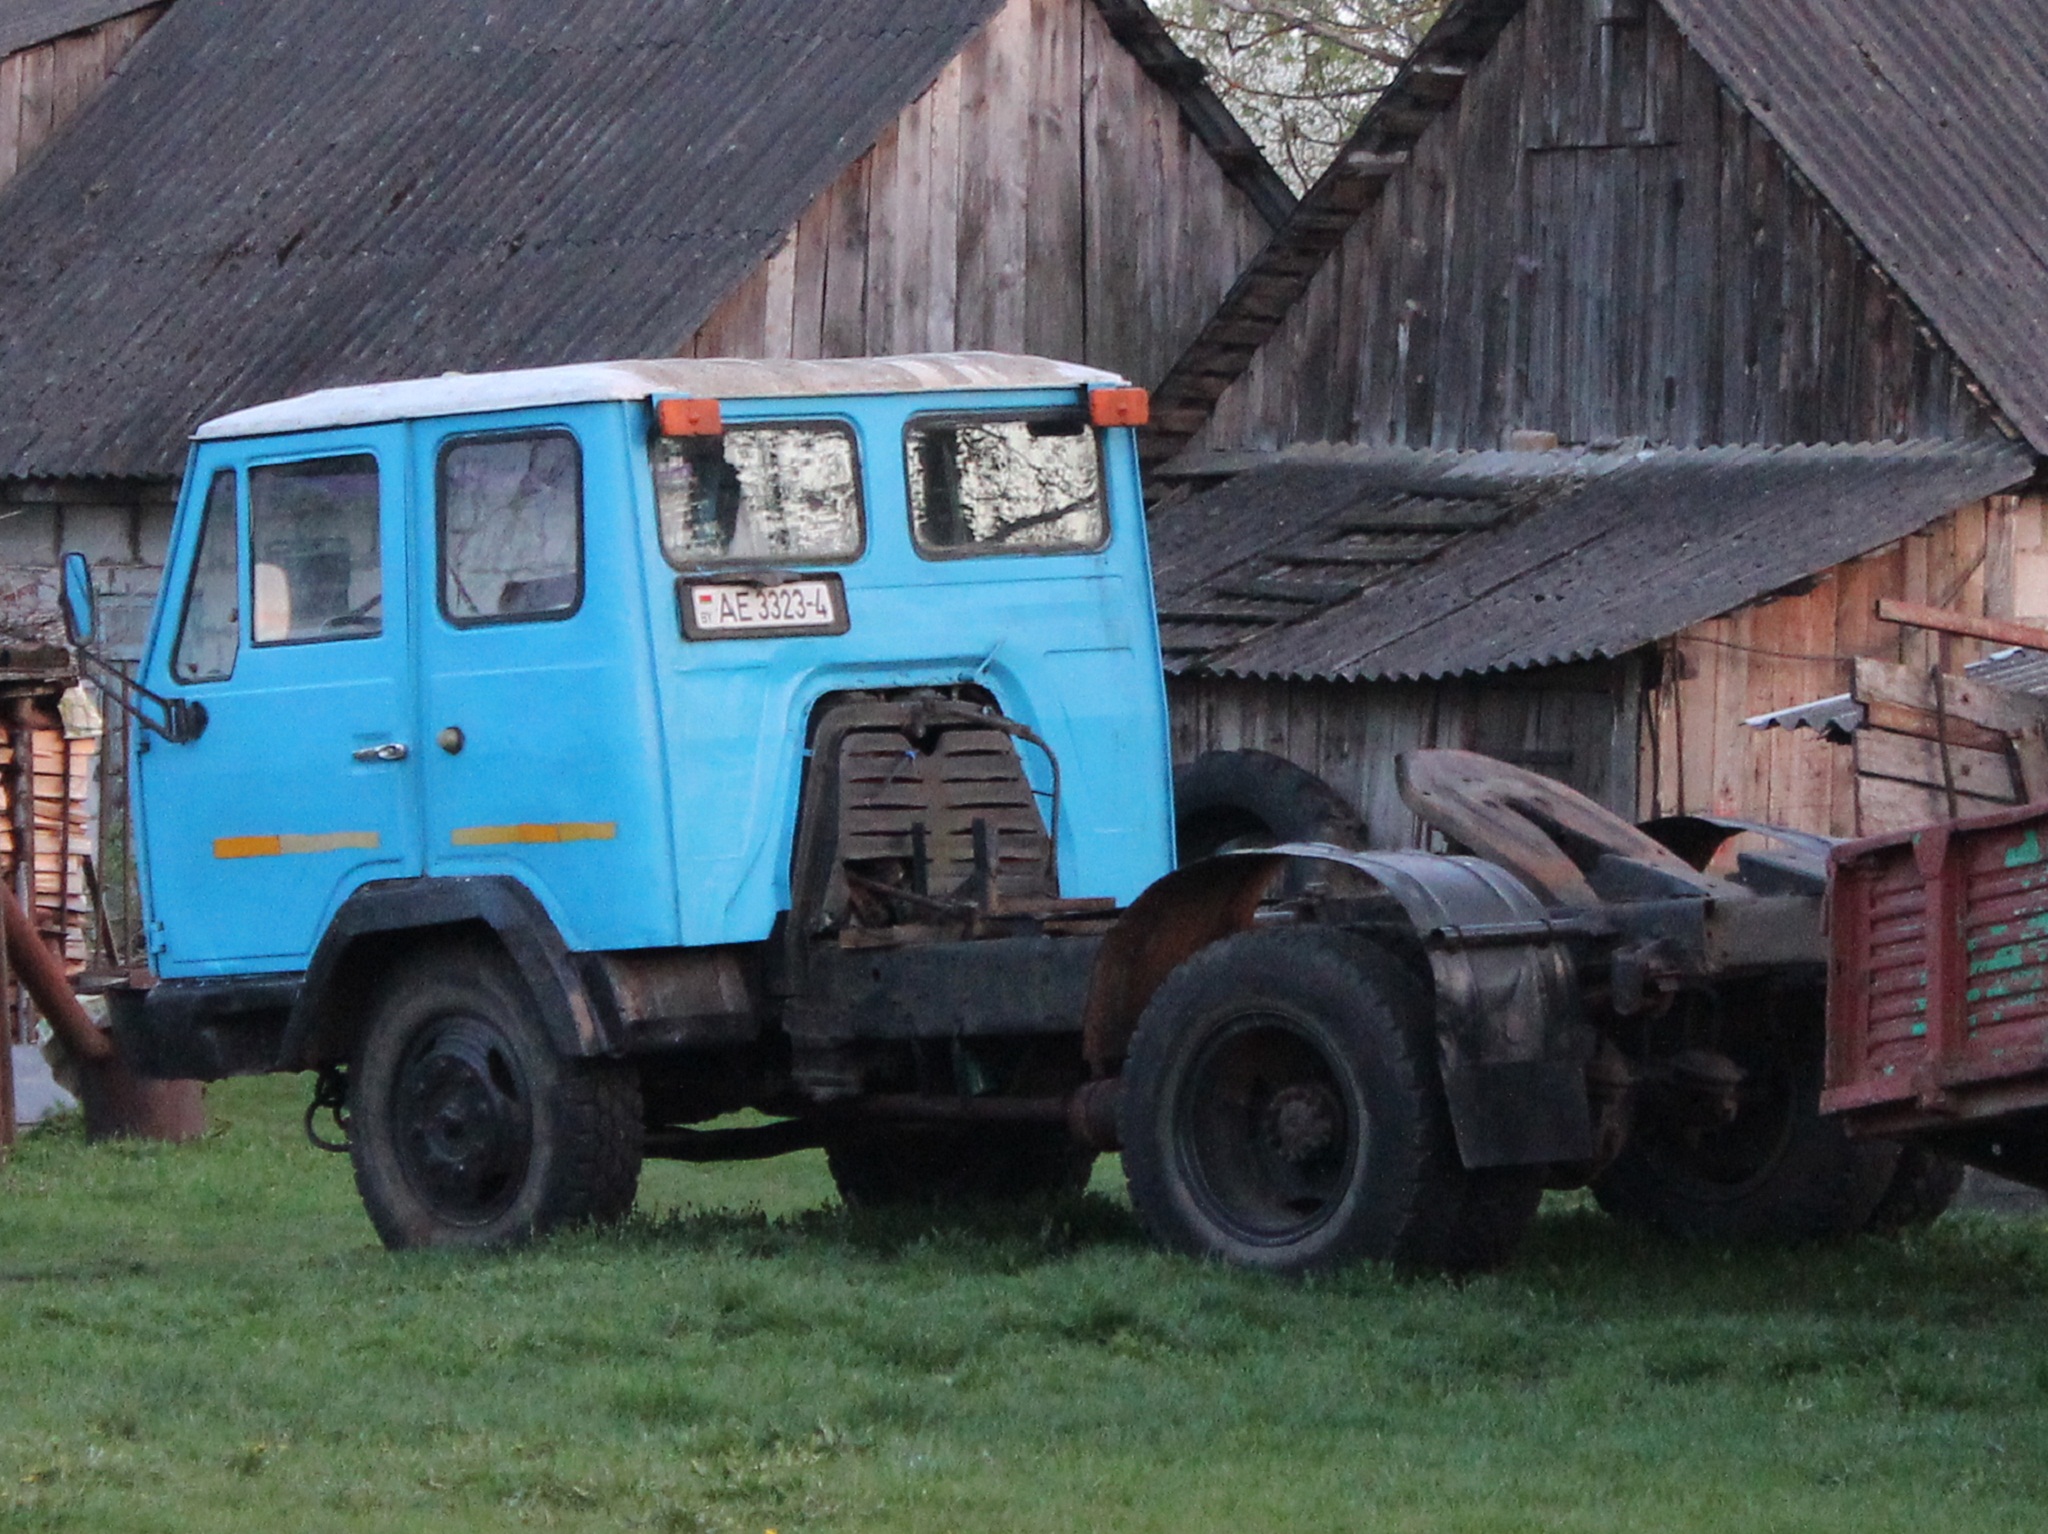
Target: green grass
208, 1338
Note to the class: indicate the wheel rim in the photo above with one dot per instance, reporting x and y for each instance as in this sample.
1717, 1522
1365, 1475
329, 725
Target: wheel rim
463, 1109
1266, 1130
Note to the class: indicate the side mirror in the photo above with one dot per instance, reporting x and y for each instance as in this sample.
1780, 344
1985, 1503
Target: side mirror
81, 609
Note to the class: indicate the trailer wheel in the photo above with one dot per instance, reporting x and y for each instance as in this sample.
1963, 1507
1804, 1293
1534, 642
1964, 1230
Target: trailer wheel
1778, 1174
1255, 799
467, 1129
882, 1168
1282, 1111
1919, 1193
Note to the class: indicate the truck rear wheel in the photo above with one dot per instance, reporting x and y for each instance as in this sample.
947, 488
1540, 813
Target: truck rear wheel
1778, 1173
996, 1163
1282, 1111
467, 1129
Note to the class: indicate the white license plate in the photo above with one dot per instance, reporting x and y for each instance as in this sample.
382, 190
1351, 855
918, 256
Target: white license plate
736, 609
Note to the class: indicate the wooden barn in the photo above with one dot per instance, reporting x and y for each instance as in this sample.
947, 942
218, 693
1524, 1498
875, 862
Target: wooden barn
278, 196
1629, 353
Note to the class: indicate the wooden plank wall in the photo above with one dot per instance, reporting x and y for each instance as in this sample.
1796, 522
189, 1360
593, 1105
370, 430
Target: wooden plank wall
1574, 723
1597, 242
1043, 196
1698, 757
41, 87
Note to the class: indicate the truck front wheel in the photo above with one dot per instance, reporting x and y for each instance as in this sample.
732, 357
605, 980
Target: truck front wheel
467, 1129
1282, 1111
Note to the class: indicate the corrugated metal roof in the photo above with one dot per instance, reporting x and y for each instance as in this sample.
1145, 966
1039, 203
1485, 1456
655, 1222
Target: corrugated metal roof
1921, 124
281, 195
2019, 669
724, 378
1509, 560
25, 23
1835, 718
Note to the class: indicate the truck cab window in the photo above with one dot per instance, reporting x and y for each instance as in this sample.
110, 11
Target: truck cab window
211, 630
768, 494
314, 538
1021, 485
511, 514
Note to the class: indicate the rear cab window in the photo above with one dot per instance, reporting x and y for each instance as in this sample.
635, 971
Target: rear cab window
771, 492
1029, 482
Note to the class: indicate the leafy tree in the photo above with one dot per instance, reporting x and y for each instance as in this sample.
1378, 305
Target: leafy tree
1299, 73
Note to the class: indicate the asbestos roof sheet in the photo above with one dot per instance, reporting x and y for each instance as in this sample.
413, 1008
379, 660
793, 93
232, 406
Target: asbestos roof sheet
1384, 564
1921, 124
26, 23
283, 195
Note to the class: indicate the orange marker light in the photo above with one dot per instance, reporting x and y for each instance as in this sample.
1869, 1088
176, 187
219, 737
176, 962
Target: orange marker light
688, 418
1119, 407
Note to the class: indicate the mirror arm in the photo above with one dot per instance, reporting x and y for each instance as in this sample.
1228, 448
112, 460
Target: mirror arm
183, 721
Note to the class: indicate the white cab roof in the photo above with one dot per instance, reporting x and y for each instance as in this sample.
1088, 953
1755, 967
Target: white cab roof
727, 378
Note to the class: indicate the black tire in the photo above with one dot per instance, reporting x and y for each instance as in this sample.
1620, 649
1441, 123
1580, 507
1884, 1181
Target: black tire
880, 1168
1225, 799
1282, 1111
466, 1128
1921, 1189
1779, 1174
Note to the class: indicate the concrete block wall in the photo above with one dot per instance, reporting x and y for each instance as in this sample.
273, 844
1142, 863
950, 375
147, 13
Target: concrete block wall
122, 526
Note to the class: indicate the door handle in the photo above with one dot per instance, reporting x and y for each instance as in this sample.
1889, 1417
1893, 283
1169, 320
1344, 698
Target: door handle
390, 751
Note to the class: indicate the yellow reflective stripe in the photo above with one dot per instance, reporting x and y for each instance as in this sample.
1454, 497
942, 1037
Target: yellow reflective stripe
282, 846
534, 835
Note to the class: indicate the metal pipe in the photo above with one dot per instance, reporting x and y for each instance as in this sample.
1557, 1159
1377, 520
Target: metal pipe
42, 974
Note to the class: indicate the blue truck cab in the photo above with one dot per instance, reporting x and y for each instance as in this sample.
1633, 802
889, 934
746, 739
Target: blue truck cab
570, 628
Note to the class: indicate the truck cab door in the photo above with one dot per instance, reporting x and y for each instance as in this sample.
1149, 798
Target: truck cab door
285, 616
540, 731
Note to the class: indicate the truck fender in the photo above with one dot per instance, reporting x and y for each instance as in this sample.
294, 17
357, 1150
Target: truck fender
379, 918
1512, 1039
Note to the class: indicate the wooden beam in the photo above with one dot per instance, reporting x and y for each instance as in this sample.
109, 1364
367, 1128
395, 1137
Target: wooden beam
1980, 774
1971, 702
1947, 621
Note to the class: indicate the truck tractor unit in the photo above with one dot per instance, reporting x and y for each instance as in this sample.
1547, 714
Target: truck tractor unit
557, 763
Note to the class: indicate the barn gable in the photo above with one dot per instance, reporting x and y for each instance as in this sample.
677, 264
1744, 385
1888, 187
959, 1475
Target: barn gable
1588, 234
284, 195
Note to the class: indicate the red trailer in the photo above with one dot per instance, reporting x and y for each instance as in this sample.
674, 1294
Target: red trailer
1938, 989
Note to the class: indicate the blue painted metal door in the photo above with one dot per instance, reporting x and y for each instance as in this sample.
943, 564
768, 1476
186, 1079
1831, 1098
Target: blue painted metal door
290, 626
539, 728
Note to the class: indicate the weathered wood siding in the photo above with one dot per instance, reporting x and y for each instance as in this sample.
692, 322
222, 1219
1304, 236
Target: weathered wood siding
1574, 723
1597, 241
41, 87
1986, 559
1043, 196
